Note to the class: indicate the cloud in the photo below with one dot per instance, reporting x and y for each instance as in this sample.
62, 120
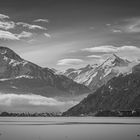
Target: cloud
31, 41
131, 25
105, 49
70, 61
6, 25
108, 24
41, 20
116, 31
134, 26
32, 103
94, 56
131, 53
30, 26
2, 16
24, 34
47, 35
6, 35
128, 48
111, 49
14, 99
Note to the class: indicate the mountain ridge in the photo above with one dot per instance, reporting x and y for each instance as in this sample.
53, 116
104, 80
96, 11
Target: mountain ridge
13, 68
94, 76
118, 94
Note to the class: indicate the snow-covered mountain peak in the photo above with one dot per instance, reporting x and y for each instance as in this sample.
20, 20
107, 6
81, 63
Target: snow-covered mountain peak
119, 61
7, 56
4, 51
96, 75
114, 61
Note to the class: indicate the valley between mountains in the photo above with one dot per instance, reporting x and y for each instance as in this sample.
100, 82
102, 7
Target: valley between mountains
27, 87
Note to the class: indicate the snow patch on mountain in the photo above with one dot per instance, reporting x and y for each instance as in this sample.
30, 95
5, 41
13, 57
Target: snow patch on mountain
91, 78
15, 63
5, 58
107, 72
18, 77
24, 76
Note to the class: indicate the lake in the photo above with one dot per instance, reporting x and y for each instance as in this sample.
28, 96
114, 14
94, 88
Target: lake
69, 128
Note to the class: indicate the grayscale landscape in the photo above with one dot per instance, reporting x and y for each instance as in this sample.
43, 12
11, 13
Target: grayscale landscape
69, 70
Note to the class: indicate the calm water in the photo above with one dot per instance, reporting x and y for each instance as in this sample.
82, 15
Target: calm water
69, 128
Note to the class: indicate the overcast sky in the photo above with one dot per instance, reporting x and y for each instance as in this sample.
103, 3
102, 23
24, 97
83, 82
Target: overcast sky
70, 33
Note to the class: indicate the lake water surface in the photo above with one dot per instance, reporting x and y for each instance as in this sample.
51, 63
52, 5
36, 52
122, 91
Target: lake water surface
69, 128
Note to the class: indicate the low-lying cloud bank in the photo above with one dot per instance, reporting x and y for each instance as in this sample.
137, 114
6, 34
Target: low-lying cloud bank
31, 102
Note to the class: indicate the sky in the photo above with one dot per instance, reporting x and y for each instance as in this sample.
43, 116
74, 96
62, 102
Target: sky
65, 34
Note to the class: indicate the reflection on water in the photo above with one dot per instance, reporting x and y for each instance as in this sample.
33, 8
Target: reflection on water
69, 128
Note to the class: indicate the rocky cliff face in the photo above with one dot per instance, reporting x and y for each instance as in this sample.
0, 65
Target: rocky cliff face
119, 93
21, 76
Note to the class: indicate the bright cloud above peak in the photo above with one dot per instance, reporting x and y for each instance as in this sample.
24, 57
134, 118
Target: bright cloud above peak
105, 49
69, 62
131, 53
94, 56
111, 49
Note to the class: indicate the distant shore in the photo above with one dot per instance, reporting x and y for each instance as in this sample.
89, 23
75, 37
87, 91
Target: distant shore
100, 113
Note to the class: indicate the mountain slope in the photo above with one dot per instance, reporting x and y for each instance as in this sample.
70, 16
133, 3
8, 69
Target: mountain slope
94, 76
21, 76
120, 93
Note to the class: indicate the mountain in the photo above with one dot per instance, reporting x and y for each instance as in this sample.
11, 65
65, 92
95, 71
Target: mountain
121, 93
21, 76
27, 87
94, 76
